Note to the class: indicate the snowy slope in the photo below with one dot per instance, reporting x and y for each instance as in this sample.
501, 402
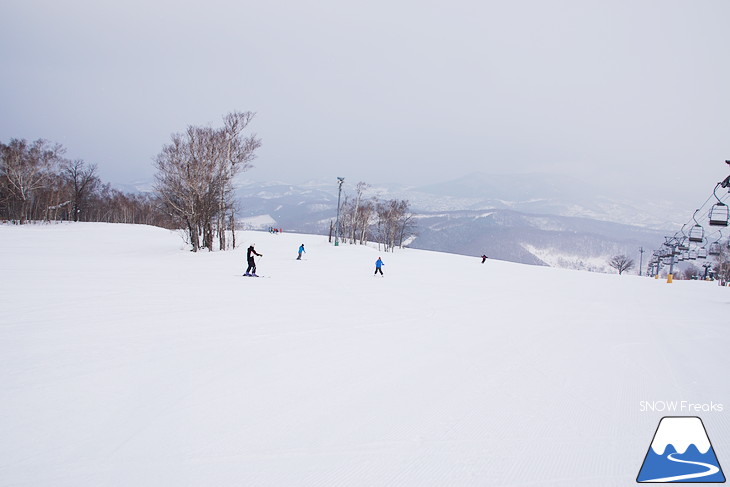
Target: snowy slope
127, 360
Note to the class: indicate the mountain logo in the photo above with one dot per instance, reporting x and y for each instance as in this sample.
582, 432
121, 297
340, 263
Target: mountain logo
680, 452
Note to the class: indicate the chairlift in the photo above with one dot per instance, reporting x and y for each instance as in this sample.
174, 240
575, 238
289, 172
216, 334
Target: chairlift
702, 253
719, 215
719, 212
685, 255
692, 255
715, 248
696, 233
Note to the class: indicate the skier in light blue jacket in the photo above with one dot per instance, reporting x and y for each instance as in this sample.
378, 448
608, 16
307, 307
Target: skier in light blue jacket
379, 266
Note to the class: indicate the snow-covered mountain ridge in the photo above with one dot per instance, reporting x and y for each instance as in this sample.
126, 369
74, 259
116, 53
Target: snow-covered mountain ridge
530, 193
533, 219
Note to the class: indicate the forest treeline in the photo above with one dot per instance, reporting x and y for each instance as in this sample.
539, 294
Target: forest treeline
38, 183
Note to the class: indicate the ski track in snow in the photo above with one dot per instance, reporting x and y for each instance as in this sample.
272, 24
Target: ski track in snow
711, 470
118, 371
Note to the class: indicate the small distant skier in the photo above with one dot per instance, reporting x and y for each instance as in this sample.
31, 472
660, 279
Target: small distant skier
251, 271
301, 250
379, 266
484, 257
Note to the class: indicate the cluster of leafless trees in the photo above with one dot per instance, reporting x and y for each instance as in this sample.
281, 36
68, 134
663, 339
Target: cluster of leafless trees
363, 219
37, 183
195, 174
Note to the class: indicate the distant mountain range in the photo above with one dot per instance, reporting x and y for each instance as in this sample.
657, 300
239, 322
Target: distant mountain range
536, 219
546, 194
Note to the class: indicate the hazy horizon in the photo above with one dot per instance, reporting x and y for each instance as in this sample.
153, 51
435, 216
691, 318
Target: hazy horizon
623, 94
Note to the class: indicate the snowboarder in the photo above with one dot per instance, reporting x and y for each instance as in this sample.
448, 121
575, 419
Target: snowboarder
484, 257
379, 266
251, 271
301, 249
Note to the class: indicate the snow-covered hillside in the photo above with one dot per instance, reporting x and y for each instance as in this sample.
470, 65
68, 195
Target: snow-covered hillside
127, 360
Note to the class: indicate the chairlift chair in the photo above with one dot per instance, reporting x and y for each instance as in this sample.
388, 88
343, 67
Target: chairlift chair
714, 249
692, 255
696, 233
702, 253
719, 214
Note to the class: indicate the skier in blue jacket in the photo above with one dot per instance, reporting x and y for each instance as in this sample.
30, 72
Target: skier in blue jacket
301, 249
379, 266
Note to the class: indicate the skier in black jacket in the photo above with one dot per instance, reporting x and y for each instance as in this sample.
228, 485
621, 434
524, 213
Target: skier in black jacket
251, 271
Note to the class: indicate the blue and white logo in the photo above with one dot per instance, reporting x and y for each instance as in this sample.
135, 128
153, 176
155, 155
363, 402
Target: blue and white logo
680, 452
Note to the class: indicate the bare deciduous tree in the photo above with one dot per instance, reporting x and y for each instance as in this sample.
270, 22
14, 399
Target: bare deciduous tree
82, 181
360, 215
24, 169
195, 176
621, 263
722, 265
393, 218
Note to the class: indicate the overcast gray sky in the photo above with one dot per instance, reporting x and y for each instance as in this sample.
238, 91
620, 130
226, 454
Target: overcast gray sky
382, 91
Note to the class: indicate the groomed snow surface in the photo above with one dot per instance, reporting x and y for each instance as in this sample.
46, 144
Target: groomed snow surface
126, 360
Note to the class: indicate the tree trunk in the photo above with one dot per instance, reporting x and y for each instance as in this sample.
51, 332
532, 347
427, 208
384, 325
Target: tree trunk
222, 232
193, 231
233, 231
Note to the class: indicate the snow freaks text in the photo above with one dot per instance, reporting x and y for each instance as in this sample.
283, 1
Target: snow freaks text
683, 407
